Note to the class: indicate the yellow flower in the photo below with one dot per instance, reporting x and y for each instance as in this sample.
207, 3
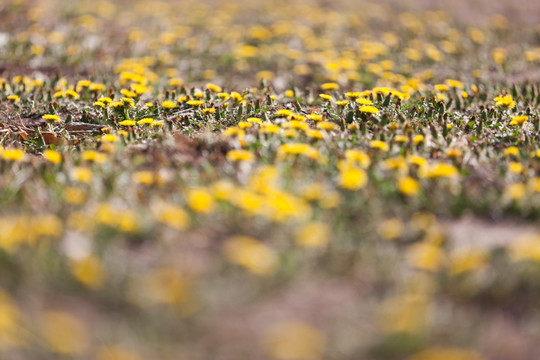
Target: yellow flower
11, 330
437, 353
441, 87
515, 167
518, 120
254, 120
109, 138
499, 55
51, 118
251, 254
161, 286
295, 124
330, 86
92, 155
63, 333
74, 195
71, 94
455, 83
298, 149
213, 87
170, 215
368, 109
327, 125
127, 123
116, 353
425, 256
313, 234
105, 100
315, 117
353, 95
356, 156
168, 105
12, 154
175, 82
325, 96
439, 170
400, 138
378, 144
515, 191
505, 101
534, 184
294, 341
408, 186
312, 133
467, 260
453, 152
200, 200
89, 271
525, 247
363, 101
208, 111
511, 151
283, 113
145, 121
127, 93
97, 87
144, 177
391, 229
342, 102
14, 98
52, 156
351, 178
82, 174
195, 103
240, 155
244, 125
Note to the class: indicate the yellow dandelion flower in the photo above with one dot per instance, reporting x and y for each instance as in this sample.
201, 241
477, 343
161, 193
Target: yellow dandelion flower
408, 186
325, 96
51, 118
251, 254
368, 109
94, 156
379, 145
519, 120
195, 103
313, 235
294, 340
240, 155
13, 154
82, 174
330, 86
145, 121
63, 333
505, 101
127, 122
315, 117
168, 105
352, 178
52, 156
213, 87
200, 200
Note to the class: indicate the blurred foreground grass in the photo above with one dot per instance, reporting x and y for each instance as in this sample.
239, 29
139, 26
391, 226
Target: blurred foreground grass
281, 180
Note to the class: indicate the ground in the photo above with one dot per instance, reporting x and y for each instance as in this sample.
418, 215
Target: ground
269, 180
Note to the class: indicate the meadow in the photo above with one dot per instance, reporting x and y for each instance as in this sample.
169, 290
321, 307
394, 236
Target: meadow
289, 180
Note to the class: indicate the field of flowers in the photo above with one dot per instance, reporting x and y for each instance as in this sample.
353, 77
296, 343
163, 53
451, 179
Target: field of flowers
289, 180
